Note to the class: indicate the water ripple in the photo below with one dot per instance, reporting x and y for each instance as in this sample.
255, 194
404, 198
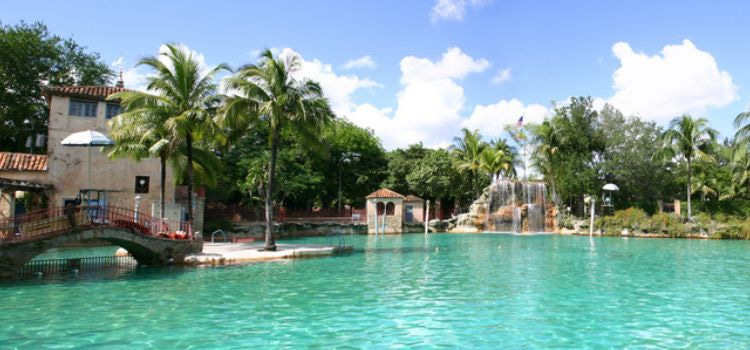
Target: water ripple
444, 291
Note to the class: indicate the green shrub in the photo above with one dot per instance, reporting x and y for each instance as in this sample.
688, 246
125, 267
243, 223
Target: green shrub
745, 229
733, 231
631, 218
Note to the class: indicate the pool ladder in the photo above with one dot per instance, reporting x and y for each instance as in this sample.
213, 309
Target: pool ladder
336, 239
222, 235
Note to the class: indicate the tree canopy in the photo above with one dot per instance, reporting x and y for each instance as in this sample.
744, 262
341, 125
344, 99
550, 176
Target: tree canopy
30, 59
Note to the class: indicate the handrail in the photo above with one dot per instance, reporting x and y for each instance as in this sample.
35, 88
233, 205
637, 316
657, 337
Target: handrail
336, 236
57, 220
218, 231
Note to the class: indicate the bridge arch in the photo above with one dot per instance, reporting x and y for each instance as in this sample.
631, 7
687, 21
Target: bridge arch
145, 249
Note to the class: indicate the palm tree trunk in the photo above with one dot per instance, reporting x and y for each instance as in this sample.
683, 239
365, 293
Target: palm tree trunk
690, 182
189, 142
270, 244
163, 182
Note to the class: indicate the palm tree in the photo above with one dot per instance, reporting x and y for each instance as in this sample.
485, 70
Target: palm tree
467, 151
547, 143
494, 163
269, 93
140, 132
706, 185
692, 139
184, 96
510, 156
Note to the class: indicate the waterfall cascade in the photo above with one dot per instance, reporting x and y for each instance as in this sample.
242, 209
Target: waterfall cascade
517, 207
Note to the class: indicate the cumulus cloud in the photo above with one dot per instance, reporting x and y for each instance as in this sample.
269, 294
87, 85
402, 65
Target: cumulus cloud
362, 62
491, 119
430, 103
452, 10
502, 76
338, 88
136, 77
682, 79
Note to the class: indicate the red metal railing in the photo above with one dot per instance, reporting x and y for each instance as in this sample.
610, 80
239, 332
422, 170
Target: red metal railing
236, 212
53, 221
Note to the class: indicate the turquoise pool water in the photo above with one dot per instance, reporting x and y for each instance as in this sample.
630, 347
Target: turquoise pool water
453, 291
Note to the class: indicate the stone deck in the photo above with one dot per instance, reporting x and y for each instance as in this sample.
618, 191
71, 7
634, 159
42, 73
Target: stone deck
232, 253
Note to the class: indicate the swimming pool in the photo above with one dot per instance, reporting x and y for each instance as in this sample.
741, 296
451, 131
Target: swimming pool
411, 291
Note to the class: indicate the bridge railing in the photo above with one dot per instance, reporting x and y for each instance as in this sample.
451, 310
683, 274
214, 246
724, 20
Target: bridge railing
49, 222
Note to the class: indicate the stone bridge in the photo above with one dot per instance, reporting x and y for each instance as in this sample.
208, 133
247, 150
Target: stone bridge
150, 241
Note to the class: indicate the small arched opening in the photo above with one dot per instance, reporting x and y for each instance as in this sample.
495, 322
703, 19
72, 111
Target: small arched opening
380, 208
390, 209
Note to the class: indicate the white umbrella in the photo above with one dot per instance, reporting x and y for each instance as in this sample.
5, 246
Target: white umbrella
610, 187
88, 138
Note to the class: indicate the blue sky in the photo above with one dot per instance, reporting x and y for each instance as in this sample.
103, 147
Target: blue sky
427, 68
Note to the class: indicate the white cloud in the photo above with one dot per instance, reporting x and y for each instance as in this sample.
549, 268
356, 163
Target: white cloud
452, 10
502, 76
136, 78
491, 119
338, 88
682, 79
362, 62
429, 104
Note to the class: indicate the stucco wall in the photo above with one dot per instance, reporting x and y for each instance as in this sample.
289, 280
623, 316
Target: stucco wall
417, 210
393, 223
67, 166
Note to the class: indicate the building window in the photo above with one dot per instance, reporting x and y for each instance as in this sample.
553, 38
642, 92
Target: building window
113, 110
380, 208
82, 108
390, 209
141, 184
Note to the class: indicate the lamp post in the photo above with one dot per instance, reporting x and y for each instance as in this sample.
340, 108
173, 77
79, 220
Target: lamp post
346, 157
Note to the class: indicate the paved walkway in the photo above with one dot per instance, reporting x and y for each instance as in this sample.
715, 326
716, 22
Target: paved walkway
228, 253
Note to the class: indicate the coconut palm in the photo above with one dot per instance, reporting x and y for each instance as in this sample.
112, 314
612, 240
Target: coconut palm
547, 143
706, 185
690, 138
510, 156
467, 151
495, 163
140, 132
269, 93
185, 95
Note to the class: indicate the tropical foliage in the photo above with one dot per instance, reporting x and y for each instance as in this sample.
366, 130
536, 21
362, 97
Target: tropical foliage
178, 113
269, 93
32, 58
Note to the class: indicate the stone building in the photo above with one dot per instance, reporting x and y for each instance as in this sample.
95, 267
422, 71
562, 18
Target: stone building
62, 172
385, 209
413, 209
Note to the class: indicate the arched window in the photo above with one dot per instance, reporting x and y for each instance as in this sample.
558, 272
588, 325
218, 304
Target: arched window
390, 209
380, 208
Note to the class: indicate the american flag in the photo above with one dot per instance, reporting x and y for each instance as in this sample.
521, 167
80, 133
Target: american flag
519, 123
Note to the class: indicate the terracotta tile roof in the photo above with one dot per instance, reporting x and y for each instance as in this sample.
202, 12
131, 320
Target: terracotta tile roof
384, 193
92, 92
413, 198
23, 161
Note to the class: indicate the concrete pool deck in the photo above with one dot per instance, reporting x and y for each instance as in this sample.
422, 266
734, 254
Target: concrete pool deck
232, 253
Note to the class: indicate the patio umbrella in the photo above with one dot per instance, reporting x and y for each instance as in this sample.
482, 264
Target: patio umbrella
88, 138
610, 188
